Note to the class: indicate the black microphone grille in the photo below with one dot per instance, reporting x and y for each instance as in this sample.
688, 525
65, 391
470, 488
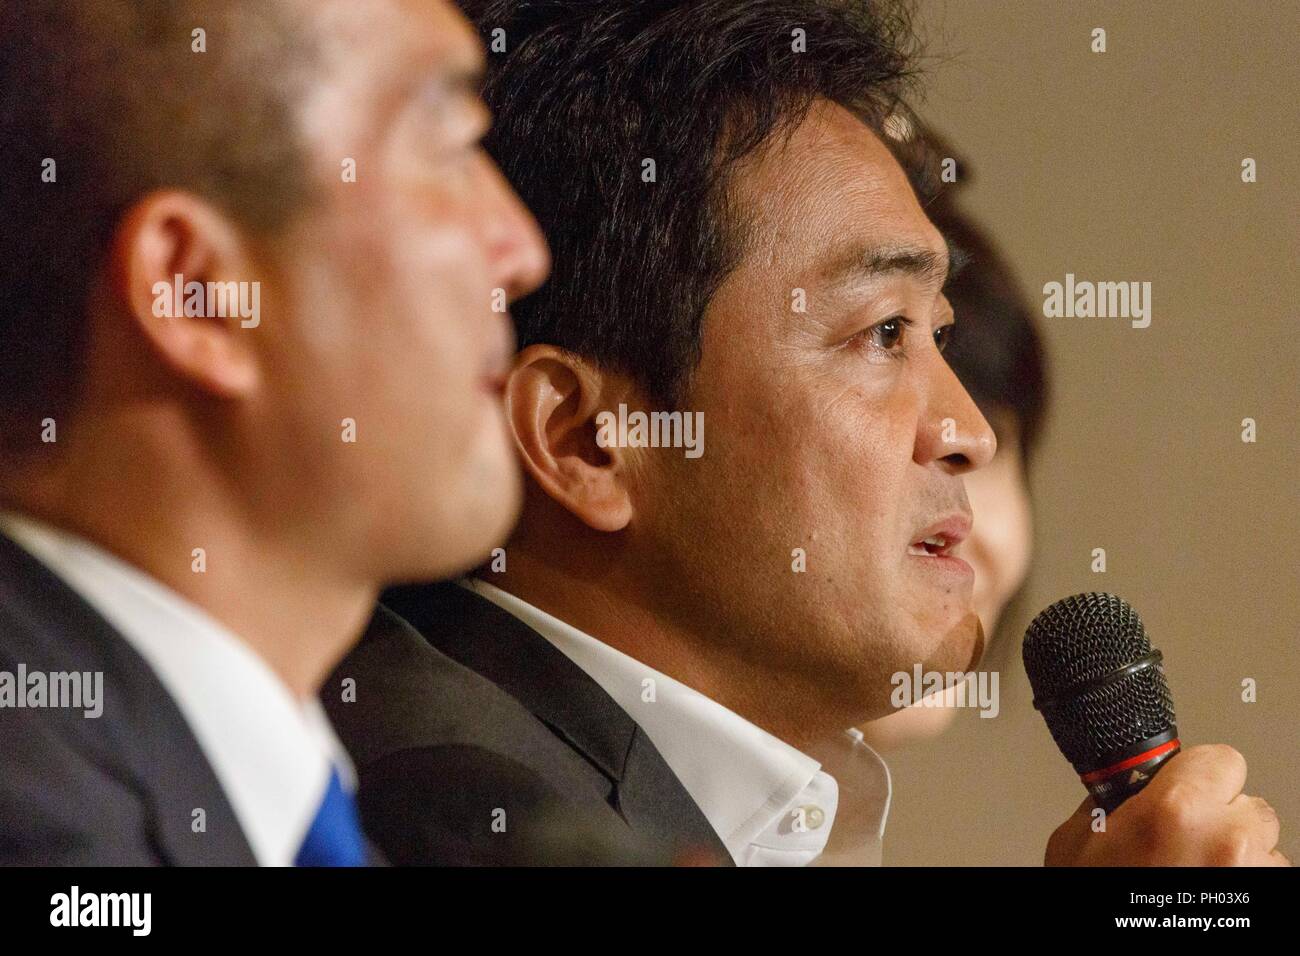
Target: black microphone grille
1100, 686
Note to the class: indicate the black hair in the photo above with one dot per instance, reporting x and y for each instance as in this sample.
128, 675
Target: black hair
586, 90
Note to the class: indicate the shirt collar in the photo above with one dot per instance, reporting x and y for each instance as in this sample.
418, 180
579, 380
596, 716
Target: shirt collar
271, 752
746, 782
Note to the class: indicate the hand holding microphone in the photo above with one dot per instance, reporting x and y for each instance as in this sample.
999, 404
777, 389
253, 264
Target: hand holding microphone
1101, 689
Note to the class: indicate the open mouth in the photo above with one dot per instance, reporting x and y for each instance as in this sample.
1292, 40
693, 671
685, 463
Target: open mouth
941, 538
932, 546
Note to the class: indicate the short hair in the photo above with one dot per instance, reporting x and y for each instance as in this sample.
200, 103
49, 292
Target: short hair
586, 90
113, 92
995, 349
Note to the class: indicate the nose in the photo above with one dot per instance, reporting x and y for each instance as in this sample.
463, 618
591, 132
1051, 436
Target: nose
517, 250
952, 432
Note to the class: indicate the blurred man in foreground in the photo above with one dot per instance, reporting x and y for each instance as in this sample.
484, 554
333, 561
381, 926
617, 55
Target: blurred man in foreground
252, 373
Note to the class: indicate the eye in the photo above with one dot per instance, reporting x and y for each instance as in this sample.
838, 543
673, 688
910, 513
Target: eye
943, 335
888, 334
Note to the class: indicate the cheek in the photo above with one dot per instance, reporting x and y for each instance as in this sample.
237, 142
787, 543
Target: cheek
845, 449
1003, 530
1020, 536
402, 320
812, 460
374, 276
435, 313
434, 251
859, 445
826, 475
413, 242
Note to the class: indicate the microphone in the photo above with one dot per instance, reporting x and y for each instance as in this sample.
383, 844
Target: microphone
1101, 689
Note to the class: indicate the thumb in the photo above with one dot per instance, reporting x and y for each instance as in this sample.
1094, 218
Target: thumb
1066, 844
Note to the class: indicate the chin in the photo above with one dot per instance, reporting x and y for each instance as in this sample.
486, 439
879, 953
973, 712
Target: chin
954, 645
462, 525
492, 517
976, 641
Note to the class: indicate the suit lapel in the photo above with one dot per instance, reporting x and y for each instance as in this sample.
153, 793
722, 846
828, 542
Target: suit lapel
652, 800
141, 736
489, 640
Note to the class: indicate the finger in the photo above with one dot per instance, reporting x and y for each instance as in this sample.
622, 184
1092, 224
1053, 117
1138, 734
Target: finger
1216, 771
1259, 820
1068, 839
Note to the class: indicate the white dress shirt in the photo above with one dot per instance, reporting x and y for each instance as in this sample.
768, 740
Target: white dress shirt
272, 753
770, 804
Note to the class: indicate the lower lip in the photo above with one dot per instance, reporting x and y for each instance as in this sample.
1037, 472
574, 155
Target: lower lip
945, 564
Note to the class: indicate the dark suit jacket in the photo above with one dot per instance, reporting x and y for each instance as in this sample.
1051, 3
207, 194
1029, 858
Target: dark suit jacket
118, 789
483, 714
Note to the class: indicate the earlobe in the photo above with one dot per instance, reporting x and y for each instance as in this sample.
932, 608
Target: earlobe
553, 398
178, 270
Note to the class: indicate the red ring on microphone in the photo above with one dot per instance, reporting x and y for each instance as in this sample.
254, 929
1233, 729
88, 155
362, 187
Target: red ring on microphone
1097, 776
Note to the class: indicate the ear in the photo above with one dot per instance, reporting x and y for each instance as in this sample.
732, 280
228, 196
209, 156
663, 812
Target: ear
169, 234
552, 400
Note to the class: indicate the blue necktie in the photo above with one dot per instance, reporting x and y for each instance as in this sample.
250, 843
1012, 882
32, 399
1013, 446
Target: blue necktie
335, 836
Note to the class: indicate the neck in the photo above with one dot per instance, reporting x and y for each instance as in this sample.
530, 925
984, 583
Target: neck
590, 590
152, 505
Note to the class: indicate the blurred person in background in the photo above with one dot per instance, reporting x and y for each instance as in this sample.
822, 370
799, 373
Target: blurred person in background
998, 356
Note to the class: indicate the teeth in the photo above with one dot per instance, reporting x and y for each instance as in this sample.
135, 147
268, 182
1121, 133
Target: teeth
934, 541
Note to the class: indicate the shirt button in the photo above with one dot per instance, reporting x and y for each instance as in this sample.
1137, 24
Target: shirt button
813, 816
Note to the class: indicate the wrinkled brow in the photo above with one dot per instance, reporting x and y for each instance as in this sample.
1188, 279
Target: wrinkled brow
858, 262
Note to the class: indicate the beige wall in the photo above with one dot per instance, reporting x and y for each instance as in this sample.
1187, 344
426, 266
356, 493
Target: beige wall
1126, 166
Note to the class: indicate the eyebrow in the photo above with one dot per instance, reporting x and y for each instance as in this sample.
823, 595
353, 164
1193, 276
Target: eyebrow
925, 264
467, 77
464, 77
456, 67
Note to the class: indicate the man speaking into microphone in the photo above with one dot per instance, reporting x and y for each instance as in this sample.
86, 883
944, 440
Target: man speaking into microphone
735, 239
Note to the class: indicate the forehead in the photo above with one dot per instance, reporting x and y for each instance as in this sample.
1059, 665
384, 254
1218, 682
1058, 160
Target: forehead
380, 39
372, 53
382, 14
832, 184
436, 32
